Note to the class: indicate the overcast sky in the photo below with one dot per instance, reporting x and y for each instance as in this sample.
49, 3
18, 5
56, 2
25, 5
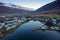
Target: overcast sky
35, 4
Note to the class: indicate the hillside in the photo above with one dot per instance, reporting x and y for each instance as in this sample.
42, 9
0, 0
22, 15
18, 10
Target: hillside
53, 7
8, 8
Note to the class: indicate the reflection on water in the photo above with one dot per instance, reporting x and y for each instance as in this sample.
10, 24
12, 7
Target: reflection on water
25, 33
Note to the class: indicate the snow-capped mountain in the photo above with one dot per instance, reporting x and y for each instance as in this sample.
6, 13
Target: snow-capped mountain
11, 8
15, 6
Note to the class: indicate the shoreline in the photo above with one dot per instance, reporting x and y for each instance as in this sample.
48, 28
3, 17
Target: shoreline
10, 31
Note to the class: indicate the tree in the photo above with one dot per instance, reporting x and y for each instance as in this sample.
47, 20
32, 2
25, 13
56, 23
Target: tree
2, 19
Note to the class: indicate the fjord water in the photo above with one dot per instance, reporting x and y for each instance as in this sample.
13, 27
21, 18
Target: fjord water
25, 32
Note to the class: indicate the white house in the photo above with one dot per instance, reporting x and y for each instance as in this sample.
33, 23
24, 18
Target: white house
1, 25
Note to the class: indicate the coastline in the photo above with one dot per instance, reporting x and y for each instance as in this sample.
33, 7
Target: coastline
10, 31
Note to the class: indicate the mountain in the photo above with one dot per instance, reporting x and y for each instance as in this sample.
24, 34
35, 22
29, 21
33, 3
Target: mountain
50, 7
8, 8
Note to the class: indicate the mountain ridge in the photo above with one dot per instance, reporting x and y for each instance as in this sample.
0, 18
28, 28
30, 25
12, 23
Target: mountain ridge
14, 9
50, 6
15, 6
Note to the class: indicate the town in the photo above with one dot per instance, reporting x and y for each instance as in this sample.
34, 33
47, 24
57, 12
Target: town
9, 23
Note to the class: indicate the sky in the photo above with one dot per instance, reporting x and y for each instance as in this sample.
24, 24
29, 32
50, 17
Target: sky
35, 4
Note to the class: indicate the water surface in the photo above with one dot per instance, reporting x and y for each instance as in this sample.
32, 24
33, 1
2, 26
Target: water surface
25, 33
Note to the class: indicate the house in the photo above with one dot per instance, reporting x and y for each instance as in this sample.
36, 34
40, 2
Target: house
55, 27
23, 18
21, 21
1, 25
9, 26
9, 21
52, 28
54, 21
